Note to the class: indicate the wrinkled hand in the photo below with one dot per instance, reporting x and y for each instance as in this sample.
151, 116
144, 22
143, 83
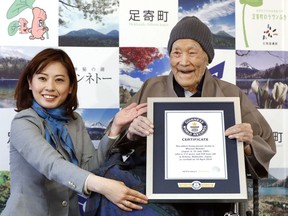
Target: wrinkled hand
117, 192
242, 132
126, 116
140, 127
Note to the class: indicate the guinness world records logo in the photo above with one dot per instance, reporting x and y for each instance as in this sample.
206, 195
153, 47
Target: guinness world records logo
194, 126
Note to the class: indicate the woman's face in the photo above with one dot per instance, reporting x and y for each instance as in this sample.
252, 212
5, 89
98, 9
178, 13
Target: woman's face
51, 87
188, 63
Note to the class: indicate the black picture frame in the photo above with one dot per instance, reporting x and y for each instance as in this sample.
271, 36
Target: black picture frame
232, 188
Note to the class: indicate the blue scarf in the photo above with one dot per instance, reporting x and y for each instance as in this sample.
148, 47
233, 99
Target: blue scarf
56, 132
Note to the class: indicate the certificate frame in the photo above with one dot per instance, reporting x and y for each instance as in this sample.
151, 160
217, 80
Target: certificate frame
233, 188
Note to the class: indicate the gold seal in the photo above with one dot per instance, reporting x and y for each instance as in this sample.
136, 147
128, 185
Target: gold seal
196, 185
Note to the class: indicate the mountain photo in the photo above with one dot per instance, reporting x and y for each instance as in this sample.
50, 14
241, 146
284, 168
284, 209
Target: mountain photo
223, 40
219, 16
90, 38
259, 80
86, 24
96, 130
96, 121
12, 61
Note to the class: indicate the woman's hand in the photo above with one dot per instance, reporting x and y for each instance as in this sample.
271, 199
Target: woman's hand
126, 116
117, 192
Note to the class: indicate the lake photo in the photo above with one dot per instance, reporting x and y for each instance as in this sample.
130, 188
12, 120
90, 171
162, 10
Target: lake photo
7, 88
12, 62
264, 82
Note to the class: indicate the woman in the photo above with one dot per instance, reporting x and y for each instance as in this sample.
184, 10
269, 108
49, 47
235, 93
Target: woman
51, 150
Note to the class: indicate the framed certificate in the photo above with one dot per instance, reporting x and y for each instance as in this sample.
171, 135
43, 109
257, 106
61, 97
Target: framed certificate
189, 158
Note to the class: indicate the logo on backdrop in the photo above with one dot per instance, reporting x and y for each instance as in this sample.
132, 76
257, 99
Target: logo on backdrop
277, 136
218, 70
38, 28
148, 15
269, 35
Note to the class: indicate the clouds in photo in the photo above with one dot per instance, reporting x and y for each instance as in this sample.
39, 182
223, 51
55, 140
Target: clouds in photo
75, 21
217, 14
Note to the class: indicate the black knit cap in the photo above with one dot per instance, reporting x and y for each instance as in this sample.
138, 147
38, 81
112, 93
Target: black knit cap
190, 27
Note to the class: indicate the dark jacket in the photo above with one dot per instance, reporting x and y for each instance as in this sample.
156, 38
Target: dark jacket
263, 144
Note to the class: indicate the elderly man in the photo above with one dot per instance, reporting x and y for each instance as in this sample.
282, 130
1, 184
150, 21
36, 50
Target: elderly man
190, 49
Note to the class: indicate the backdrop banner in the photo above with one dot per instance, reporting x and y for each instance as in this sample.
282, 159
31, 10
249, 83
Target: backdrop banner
117, 46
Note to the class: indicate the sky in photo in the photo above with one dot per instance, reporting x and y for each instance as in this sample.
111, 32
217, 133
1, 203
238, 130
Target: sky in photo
92, 116
268, 59
76, 21
130, 76
219, 15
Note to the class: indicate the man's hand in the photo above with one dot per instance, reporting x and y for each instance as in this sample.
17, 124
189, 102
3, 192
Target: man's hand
242, 132
140, 127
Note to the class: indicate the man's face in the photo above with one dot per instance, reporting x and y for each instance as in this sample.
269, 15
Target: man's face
188, 63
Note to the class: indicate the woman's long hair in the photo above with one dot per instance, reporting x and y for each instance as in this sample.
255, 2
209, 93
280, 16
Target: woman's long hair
23, 95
